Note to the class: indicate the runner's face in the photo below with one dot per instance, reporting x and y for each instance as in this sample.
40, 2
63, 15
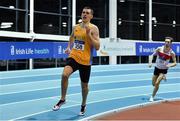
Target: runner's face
86, 15
167, 42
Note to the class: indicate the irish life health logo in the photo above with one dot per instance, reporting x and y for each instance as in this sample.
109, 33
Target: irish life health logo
178, 49
12, 50
140, 49
59, 50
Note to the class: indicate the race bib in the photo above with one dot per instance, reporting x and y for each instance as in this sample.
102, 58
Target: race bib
79, 45
161, 61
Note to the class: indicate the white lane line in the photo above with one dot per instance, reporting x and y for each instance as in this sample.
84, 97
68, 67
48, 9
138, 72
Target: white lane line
96, 91
126, 108
59, 72
122, 75
45, 111
74, 85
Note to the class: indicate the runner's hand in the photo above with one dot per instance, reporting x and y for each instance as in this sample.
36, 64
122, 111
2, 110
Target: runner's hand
150, 65
67, 51
168, 65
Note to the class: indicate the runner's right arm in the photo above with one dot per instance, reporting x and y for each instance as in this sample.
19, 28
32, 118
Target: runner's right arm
71, 39
152, 56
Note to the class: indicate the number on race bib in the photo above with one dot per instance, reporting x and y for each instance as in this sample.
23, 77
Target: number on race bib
78, 45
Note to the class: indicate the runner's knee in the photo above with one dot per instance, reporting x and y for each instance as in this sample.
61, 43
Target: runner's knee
157, 84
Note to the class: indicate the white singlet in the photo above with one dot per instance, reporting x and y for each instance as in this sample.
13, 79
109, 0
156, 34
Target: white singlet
163, 58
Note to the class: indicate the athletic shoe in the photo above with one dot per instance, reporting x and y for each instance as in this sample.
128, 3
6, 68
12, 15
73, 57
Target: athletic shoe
151, 99
83, 110
58, 105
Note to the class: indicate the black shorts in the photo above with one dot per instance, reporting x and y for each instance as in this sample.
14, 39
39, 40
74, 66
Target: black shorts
157, 71
84, 70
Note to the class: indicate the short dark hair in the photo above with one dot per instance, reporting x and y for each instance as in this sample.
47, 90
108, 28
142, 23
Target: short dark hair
87, 7
170, 39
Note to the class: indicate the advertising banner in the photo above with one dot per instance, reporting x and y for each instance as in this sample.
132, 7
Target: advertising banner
116, 47
147, 48
26, 50
59, 50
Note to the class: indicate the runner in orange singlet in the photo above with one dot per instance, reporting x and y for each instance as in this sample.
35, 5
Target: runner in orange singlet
84, 38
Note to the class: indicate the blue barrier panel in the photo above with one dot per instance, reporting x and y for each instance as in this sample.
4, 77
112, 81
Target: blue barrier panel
59, 50
176, 48
26, 50
147, 48
1, 50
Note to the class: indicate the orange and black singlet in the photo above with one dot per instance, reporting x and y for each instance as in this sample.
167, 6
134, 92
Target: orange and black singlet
82, 48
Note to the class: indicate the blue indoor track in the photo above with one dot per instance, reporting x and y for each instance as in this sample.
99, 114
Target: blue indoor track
31, 94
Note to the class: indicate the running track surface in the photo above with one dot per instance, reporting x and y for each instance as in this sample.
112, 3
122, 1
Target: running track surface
31, 94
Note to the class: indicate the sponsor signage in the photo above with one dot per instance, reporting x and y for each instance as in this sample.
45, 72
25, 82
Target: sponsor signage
176, 48
116, 47
26, 50
147, 48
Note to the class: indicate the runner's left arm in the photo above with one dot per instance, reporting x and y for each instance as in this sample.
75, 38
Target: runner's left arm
93, 34
174, 61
